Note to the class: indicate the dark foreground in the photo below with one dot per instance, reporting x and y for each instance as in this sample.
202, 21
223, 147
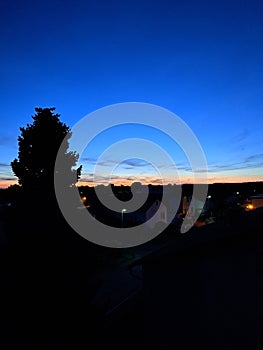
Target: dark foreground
202, 290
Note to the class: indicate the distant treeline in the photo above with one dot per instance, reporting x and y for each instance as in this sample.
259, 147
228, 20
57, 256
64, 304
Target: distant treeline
216, 190
244, 189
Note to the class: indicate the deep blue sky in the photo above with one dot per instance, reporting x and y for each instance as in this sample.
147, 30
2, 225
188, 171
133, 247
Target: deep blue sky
203, 60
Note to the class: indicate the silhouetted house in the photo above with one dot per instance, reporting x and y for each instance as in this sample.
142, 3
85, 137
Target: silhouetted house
209, 206
254, 202
159, 210
150, 209
158, 213
197, 208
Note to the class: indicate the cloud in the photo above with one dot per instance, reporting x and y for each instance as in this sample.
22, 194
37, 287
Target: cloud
90, 177
97, 162
5, 140
248, 163
127, 164
89, 160
254, 157
240, 137
135, 162
136, 169
175, 166
118, 179
128, 168
157, 181
8, 178
4, 165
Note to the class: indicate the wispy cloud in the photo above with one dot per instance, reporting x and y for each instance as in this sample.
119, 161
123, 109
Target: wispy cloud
118, 179
5, 140
95, 161
254, 157
7, 178
127, 164
6, 175
240, 137
254, 161
157, 181
135, 163
89, 160
139, 170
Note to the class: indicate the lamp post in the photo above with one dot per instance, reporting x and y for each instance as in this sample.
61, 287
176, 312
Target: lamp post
209, 204
122, 212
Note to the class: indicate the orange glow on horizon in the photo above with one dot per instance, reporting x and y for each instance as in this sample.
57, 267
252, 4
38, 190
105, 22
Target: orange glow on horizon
156, 181
7, 183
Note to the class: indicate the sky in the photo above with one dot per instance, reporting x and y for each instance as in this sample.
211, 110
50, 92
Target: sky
201, 60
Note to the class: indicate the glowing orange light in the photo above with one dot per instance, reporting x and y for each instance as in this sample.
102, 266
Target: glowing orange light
250, 206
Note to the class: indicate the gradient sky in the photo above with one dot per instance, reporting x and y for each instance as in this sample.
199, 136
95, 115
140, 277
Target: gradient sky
203, 60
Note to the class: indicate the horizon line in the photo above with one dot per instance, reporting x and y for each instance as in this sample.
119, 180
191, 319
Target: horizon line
119, 184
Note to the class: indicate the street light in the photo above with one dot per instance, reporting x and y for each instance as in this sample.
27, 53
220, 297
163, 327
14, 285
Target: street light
122, 212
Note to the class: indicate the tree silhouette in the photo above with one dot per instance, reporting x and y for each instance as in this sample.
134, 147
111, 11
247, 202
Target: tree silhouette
38, 146
48, 258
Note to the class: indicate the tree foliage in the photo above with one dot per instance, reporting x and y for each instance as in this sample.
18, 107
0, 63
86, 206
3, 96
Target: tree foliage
38, 145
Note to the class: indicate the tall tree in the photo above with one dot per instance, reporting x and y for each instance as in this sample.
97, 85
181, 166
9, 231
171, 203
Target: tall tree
46, 254
38, 145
